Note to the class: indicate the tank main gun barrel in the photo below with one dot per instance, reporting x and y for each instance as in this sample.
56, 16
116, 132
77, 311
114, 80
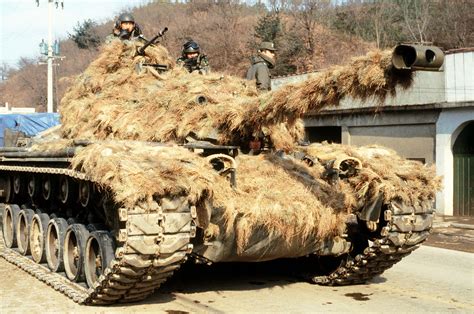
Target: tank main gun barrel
375, 75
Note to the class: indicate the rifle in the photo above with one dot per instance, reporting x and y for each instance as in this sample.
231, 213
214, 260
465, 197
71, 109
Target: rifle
141, 51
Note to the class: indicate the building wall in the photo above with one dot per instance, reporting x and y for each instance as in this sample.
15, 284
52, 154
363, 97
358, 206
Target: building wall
283, 80
427, 87
411, 133
8, 109
448, 127
410, 141
459, 73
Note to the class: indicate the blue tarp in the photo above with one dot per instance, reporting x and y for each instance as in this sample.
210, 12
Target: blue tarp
28, 123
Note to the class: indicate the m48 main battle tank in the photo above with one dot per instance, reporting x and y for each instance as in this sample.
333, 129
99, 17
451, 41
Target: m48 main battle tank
153, 165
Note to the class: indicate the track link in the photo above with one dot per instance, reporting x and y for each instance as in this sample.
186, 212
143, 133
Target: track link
153, 244
406, 228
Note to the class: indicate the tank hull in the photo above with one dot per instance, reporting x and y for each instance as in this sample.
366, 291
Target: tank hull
149, 241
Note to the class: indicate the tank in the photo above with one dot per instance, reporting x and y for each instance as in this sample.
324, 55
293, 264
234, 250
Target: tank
153, 166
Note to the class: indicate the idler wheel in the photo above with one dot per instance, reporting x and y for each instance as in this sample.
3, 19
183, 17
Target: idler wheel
47, 188
74, 248
55, 244
99, 254
9, 221
23, 230
84, 193
39, 226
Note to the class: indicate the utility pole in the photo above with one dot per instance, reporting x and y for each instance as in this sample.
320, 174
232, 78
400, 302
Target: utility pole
50, 54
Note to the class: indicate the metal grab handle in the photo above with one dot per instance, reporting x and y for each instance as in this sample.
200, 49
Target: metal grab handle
232, 169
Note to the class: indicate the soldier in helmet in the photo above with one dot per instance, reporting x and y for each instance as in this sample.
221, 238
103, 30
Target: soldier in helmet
261, 65
192, 58
125, 29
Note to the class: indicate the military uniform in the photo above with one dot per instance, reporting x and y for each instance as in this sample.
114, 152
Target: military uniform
200, 64
260, 68
192, 58
260, 72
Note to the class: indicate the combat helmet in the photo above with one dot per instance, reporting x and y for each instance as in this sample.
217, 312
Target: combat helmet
190, 47
126, 17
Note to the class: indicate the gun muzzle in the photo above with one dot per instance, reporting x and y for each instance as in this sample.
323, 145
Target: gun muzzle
163, 31
201, 99
417, 57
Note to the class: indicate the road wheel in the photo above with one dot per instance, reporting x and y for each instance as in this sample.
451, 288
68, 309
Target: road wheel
74, 249
55, 244
39, 225
34, 188
9, 222
67, 192
99, 253
48, 188
19, 186
84, 193
25, 216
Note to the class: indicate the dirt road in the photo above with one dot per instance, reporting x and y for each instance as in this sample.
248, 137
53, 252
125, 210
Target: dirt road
431, 280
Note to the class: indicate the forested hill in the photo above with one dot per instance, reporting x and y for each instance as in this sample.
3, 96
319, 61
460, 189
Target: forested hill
310, 34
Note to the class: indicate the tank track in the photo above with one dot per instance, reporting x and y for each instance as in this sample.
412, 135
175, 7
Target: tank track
153, 244
404, 230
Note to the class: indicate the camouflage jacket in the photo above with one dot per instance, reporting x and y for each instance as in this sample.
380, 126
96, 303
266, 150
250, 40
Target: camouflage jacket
259, 71
200, 64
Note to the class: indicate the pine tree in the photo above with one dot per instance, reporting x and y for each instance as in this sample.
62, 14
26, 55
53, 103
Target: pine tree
268, 27
85, 35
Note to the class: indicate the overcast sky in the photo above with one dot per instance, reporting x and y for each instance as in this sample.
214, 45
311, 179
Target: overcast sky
23, 24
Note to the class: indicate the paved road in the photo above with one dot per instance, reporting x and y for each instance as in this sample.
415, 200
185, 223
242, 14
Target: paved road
429, 280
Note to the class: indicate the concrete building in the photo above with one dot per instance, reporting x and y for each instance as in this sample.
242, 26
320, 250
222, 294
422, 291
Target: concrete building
7, 109
432, 122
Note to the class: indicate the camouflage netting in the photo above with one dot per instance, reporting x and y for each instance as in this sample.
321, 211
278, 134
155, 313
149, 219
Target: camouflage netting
279, 198
383, 172
284, 198
111, 100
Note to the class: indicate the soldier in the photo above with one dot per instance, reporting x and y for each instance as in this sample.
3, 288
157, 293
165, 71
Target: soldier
261, 63
125, 29
192, 58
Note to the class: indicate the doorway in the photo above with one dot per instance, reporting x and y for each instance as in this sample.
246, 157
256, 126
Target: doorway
463, 161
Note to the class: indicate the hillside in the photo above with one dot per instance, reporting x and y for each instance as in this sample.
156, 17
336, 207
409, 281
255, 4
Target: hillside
309, 37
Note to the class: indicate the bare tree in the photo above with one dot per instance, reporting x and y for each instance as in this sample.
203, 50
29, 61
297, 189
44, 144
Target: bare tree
308, 14
5, 70
417, 16
453, 24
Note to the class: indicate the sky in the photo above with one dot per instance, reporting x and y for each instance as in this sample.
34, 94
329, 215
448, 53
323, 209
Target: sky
23, 24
